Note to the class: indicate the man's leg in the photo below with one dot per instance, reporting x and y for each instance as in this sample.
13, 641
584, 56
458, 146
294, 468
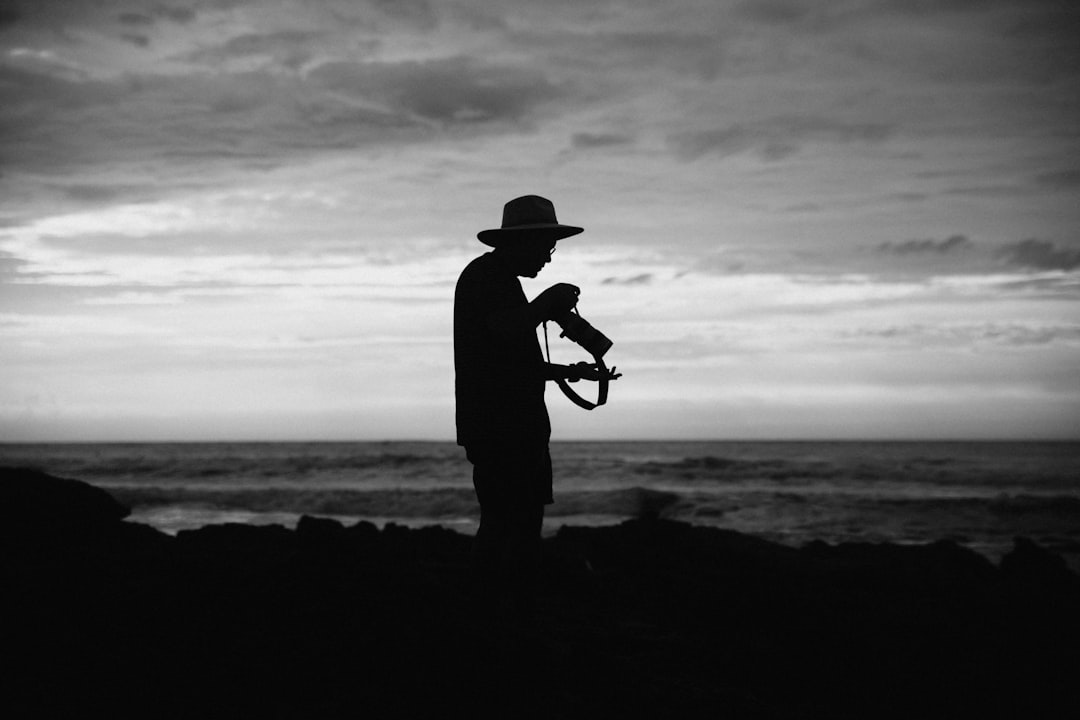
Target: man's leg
492, 537
512, 485
523, 555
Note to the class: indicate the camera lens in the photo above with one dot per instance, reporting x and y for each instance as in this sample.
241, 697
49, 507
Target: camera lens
580, 331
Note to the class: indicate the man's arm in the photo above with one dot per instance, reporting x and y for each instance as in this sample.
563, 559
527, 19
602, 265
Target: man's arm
553, 302
505, 322
577, 371
554, 371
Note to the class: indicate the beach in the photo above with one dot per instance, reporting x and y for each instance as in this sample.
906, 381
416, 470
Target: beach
644, 617
979, 494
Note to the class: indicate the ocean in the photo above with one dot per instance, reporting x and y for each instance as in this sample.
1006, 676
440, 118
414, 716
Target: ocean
980, 494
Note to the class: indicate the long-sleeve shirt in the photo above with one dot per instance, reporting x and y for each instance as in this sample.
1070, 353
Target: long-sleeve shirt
499, 367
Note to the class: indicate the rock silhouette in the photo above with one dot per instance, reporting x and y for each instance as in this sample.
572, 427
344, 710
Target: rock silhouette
649, 617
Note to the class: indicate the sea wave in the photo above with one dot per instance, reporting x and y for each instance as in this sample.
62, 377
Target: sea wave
239, 462
634, 501
712, 467
1001, 504
431, 503
927, 466
991, 473
434, 504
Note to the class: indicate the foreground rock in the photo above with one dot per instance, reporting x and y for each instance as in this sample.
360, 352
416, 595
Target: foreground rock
648, 618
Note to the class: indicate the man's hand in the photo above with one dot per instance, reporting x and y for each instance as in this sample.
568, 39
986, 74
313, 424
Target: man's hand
557, 300
589, 371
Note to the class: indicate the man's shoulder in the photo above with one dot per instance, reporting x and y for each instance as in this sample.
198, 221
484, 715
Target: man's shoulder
479, 267
486, 269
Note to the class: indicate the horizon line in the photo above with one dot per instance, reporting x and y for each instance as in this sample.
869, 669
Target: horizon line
376, 441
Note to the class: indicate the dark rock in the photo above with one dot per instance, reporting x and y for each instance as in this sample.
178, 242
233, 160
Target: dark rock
41, 502
1033, 567
320, 533
650, 617
231, 543
943, 563
363, 532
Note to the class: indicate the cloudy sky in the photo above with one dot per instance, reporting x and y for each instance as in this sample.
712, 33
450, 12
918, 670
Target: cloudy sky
243, 219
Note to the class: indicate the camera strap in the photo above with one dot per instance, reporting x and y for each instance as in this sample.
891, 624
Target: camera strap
602, 389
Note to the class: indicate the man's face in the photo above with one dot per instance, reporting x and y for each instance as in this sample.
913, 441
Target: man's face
531, 255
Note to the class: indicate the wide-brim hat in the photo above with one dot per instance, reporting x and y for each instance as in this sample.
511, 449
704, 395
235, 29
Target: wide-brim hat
530, 216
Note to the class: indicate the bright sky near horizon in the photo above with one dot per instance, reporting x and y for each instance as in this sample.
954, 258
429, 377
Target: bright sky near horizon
243, 219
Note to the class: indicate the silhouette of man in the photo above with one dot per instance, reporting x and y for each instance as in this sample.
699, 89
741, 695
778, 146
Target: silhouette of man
500, 375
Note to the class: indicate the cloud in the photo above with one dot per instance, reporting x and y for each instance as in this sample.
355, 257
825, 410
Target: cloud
135, 19
953, 243
1041, 255
791, 12
775, 138
417, 13
287, 48
56, 16
607, 58
1014, 334
695, 53
640, 279
54, 125
9, 15
1054, 287
262, 106
135, 39
1002, 190
9, 263
955, 42
40, 115
452, 91
1058, 23
94, 193
774, 12
148, 16
588, 141
1059, 180
939, 7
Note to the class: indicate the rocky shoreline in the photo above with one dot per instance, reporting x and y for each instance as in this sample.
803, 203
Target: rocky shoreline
646, 618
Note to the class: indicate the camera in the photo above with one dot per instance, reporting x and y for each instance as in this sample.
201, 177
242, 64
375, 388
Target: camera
580, 331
